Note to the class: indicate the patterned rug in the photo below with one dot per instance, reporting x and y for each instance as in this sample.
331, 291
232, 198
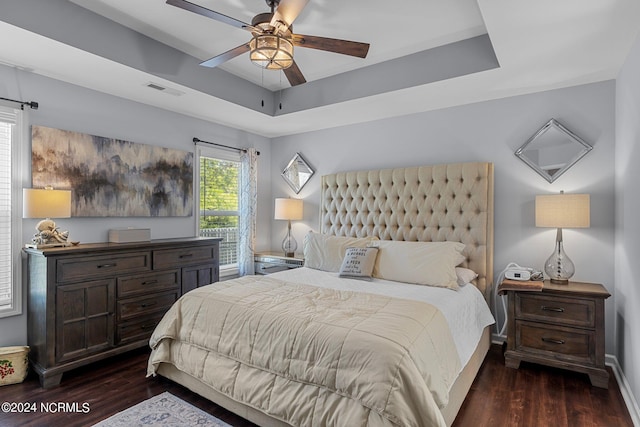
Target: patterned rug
162, 410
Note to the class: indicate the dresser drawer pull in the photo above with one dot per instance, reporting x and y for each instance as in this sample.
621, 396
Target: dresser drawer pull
556, 309
148, 304
150, 282
107, 265
186, 256
552, 341
152, 325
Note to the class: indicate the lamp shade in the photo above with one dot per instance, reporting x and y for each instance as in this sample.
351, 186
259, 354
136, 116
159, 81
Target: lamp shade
563, 211
290, 209
46, 203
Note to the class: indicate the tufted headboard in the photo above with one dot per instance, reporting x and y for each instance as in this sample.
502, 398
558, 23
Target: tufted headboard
428, 203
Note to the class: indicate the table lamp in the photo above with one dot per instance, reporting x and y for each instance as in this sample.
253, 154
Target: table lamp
290, 210
47, 203
561, 211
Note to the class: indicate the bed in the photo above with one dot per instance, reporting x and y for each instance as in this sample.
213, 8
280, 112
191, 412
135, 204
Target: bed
308, 347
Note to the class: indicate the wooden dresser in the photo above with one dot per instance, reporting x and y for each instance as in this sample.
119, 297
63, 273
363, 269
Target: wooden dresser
562, 326
93, 301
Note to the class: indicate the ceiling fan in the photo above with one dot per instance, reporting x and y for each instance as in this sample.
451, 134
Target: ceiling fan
271, 46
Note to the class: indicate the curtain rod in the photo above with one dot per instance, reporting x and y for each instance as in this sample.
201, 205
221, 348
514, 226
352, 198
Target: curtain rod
244, 150
32, 104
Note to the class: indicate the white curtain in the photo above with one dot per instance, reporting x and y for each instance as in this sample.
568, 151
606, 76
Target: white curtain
248, 205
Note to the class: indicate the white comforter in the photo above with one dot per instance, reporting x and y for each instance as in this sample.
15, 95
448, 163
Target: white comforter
466, 311
370, 357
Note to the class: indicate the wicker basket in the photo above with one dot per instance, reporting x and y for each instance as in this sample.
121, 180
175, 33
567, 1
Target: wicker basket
13, 364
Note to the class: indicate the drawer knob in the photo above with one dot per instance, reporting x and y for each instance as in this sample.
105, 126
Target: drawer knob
555, 309
107, 265
186, 256
148, 304
552, 340
150, 282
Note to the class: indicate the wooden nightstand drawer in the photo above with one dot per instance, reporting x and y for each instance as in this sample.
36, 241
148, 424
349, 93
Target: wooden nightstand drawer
573, 345
557, 310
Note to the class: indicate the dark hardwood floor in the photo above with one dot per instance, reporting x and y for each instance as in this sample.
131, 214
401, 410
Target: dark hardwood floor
529, 397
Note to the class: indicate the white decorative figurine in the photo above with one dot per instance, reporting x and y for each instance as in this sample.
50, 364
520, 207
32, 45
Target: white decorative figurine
48, 234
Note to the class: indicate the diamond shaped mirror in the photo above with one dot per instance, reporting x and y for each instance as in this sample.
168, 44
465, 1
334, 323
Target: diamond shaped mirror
297, 173
552, 150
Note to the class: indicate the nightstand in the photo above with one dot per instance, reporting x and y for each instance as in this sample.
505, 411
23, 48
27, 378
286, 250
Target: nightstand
561, 326
271, 262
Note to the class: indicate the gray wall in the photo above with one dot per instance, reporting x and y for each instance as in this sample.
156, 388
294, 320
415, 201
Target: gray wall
70, 107
627, 225
486, 131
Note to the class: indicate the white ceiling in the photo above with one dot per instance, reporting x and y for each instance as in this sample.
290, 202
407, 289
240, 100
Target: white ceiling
414, 26
540, 45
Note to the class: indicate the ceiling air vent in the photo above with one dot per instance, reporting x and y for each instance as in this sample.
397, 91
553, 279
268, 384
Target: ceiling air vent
163, 89
155, 86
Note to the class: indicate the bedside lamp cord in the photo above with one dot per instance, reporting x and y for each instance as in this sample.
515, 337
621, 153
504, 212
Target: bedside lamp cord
535, 274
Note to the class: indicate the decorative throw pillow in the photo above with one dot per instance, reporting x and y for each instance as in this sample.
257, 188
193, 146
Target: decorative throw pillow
465, 275
358, 263
324, 252
421, 263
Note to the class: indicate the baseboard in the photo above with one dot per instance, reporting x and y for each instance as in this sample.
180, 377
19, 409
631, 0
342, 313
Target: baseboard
625, 390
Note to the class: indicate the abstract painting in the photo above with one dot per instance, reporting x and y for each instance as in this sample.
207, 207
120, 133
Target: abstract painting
111, 177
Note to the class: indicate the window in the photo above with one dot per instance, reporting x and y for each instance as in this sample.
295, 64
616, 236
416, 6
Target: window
10, 216
219, 210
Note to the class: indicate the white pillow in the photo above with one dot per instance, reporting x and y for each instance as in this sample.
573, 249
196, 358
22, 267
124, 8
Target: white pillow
465, 275
324, 252
358, 263
421, 263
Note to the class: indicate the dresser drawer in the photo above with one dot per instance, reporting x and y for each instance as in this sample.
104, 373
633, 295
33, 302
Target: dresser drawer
138, 329
139, 306
72, 269
561, 311
574, 345
150, 282
185, 256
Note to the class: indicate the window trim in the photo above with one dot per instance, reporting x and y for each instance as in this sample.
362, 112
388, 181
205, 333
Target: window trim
18, 136
230, 270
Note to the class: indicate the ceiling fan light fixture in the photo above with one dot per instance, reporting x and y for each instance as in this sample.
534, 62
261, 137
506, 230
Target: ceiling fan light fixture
271, 51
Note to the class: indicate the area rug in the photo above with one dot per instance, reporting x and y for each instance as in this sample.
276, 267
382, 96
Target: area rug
162, 410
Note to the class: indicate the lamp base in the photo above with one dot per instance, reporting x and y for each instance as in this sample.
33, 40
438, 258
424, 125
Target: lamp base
559, 266
289, 244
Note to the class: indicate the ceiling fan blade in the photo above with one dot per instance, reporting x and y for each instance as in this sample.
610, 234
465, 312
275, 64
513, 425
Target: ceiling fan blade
287, 12
224, 57
192, 7
344, 47
294, 75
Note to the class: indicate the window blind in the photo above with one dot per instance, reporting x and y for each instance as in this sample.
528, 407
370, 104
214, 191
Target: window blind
6, 275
